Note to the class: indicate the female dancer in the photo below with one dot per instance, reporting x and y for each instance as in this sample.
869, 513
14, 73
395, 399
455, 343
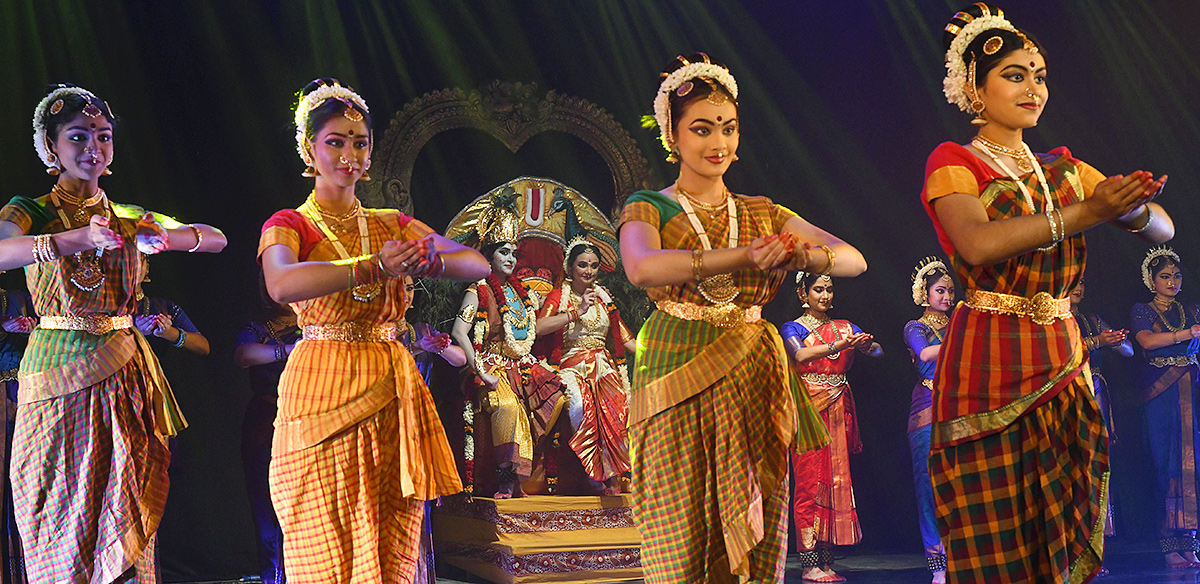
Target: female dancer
358, 446
92, 396
933, 288
1166, 330
495, 328
584, 320
823, 504
1013, 418
709, 425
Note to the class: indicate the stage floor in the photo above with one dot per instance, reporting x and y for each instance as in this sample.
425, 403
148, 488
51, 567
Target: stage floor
1128, 566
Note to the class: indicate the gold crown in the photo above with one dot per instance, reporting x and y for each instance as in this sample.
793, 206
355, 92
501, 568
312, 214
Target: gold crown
497, 225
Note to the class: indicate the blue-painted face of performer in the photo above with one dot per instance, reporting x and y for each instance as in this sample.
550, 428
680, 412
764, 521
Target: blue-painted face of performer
504, 259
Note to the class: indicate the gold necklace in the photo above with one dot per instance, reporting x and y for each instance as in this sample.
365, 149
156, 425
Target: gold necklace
710, 207
337, 222
1017, 154
935, 322
310, 208
719, 288
81, 204
589, 320
1163, 317
87, 275
812, 323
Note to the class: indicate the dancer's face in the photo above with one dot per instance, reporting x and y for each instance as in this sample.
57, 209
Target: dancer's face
341, 151
504, 259
820, 295
585, 268
1015, 91
1168, 281
1077, 294
410, 288
84, 147
707, 137
941, 295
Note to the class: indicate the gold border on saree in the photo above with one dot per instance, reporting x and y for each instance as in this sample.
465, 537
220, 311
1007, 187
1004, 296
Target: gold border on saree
351, 332
1042, 307
927, 383
1176, 361
830, 379
96, 324
722, 315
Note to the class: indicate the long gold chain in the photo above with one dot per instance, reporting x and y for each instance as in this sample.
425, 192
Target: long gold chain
1163, 317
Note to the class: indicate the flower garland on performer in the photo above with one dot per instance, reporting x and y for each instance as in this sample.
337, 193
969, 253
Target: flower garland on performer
54, 102
1153, 253
480, 324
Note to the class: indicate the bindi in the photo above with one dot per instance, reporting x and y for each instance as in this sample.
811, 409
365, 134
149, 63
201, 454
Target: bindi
718, 118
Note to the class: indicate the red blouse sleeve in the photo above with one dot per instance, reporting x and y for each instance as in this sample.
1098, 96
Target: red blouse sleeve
288, 227
951, 169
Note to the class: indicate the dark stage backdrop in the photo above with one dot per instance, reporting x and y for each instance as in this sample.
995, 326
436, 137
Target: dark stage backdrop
842, 101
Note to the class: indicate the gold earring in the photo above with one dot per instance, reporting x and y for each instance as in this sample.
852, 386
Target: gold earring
53, 170
673, 157
107, 172
310, 172
977, 104
365, 177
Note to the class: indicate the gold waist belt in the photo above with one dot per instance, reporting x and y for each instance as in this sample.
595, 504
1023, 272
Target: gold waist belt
832, 380
96, 324
722, 315
1042, 307
1176, 361
927, 383
586, 343
351, 332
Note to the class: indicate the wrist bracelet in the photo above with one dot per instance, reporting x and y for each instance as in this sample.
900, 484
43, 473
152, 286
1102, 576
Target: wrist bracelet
182, 338
832, 348
697, 265
1146, 225
828, 252
199, 238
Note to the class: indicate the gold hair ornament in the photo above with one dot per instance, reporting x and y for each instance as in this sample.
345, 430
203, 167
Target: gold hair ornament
52, 104
955, 83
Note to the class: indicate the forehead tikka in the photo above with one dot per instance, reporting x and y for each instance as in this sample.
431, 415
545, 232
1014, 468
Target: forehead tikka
91, 110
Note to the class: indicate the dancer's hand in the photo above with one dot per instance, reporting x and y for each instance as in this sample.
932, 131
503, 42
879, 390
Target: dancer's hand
100, 236
860, 341
405, 258
1110, 337
770, 252
18, 324
151, 236
1117, 197
588, 298
435, 343
1195, 330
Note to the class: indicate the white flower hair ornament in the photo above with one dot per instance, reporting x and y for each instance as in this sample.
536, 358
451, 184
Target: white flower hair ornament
52, 104
676, 79
920, 292
575, 241
1156, 252
957, 75
314, 100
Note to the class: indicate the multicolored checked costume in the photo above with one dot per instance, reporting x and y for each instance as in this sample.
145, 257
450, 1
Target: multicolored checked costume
94, 413
1019, 459
358, 446
712, 413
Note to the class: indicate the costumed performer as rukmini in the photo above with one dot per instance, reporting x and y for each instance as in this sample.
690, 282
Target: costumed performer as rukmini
358, 446
714, 404
585, 323
1019, 452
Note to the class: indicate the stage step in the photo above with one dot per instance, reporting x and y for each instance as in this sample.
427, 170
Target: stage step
540, 538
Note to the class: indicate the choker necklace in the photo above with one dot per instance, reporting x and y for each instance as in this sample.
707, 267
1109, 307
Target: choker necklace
936, 323
1024, 163
362, 292
1041, 176
81, 214
720, 288
337, 222
710, 207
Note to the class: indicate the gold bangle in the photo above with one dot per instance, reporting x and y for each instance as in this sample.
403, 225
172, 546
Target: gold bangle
199, 238
831, 255
697, 264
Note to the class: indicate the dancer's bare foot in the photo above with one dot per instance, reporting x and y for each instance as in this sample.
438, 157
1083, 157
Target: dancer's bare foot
1176, 561
815, 574
834, 575
939, 577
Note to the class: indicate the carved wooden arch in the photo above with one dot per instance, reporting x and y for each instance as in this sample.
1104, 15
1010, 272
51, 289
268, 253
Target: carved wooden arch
511, 112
